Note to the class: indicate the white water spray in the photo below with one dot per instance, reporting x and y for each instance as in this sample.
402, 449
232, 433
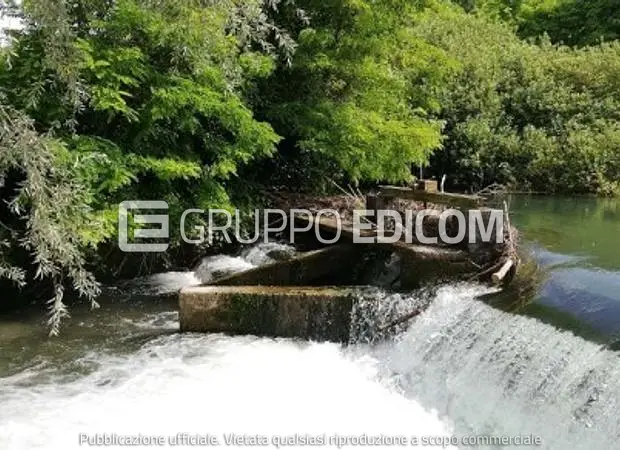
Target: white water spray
483, 371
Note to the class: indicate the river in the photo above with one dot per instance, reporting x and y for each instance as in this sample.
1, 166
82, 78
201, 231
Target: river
461, 369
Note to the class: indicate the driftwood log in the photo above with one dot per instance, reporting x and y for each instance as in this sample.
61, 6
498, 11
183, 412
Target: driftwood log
499, 276
401, 320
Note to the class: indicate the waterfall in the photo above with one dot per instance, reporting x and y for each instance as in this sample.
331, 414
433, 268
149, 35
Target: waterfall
491, 372
461, 368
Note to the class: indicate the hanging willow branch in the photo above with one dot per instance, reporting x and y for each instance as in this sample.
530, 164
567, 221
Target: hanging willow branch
50, 203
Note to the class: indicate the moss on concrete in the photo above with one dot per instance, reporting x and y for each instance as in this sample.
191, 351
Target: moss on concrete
304, 312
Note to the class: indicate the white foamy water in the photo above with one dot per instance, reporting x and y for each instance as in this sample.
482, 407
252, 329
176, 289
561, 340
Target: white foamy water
208, 270
462, 368
267, 253
219, 266
497, 373
213, 384
164, 283
201, 384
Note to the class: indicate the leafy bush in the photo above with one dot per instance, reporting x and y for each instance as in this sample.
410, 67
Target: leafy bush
350, 95
542, 117
571, 22
568, 22
108, 101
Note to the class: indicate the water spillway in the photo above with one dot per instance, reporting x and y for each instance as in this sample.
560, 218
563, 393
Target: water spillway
493, 372
462, 368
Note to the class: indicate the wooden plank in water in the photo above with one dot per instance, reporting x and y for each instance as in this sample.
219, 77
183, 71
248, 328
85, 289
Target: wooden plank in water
440, 198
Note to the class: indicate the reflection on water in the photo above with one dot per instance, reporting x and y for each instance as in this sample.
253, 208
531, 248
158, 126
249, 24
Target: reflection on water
575, 227
577, 241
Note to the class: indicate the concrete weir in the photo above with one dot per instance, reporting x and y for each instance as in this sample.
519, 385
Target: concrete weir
303, 270
293, 297
314, 313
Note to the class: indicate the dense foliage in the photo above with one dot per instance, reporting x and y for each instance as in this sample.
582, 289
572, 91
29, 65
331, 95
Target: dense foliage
355, 92
134, 100
205, 103
571, 22
538, 117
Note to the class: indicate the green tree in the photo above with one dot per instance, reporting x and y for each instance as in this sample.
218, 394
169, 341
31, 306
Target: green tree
572, 22
541, 117
357, 96
124, 100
